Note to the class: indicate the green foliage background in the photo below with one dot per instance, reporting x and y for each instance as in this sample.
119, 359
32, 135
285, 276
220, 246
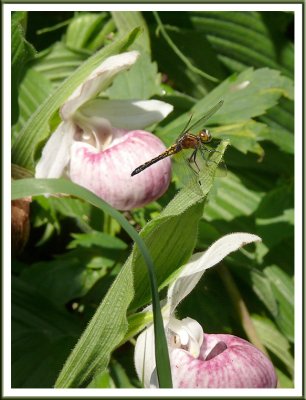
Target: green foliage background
75, 251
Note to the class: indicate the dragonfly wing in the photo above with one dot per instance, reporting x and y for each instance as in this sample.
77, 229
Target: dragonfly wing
199, 124
187, 176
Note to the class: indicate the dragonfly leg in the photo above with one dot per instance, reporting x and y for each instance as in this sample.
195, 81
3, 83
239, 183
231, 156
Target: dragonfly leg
192, 159
203, 149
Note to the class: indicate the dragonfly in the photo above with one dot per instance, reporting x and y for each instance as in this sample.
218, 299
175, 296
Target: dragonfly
188, 140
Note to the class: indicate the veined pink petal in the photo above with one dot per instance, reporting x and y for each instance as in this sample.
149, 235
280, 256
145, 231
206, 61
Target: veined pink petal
225, 361
108, 173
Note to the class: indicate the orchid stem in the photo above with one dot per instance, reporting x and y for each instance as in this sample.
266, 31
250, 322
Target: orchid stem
241, 308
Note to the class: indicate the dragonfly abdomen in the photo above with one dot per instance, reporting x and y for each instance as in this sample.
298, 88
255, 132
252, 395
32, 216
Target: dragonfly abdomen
169, 152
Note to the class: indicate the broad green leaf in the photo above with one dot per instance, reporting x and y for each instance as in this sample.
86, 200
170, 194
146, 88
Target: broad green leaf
42, 336
276, 202
280, 120
30, 97
128, 20
96, 239
58, 62
237, 40
232, 198
37, 128
245, 96
243, 39
283, 289
136, 323
22, 52
176, 49
282, 255
75, 372
274, 215
102, 381
73, 208
274, 341
283, 380
71, 275
256, 39
119, 374
142, 81
116, 376
84, 29
262, 287
194, 46
178, 227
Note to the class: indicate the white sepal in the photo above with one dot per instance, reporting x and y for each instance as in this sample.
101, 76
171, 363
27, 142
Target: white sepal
98, 81
126, 114
56, 153
144, 356
192, 272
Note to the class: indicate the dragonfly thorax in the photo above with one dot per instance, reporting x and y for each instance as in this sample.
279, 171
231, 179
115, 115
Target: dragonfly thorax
205, 136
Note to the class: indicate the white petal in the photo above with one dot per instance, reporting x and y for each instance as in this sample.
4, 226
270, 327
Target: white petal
126, 114
56, 153
190, 335
97, 81
192, 272
144, 356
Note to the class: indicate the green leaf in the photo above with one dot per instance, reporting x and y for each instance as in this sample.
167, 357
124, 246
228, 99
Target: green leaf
142, 81
40, 340
189, 65
75, 371
84, 29
37, 128
274, 341
96, 239
232, 198
274, 216
73, 208
58, 62
263, 289
31, 96
283, 289
245, 96
71, 275
102, 381
172, 235
187, 47
22, 52
236, 40
243, 39
283, 380
120, 376
128, 20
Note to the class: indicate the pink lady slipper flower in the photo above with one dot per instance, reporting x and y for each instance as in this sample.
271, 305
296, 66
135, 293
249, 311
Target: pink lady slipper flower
100, 142
201, 360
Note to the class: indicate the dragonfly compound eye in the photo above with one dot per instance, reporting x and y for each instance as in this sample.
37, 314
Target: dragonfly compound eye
205, 136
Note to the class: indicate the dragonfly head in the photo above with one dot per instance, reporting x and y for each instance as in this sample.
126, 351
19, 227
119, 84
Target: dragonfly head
205, 136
